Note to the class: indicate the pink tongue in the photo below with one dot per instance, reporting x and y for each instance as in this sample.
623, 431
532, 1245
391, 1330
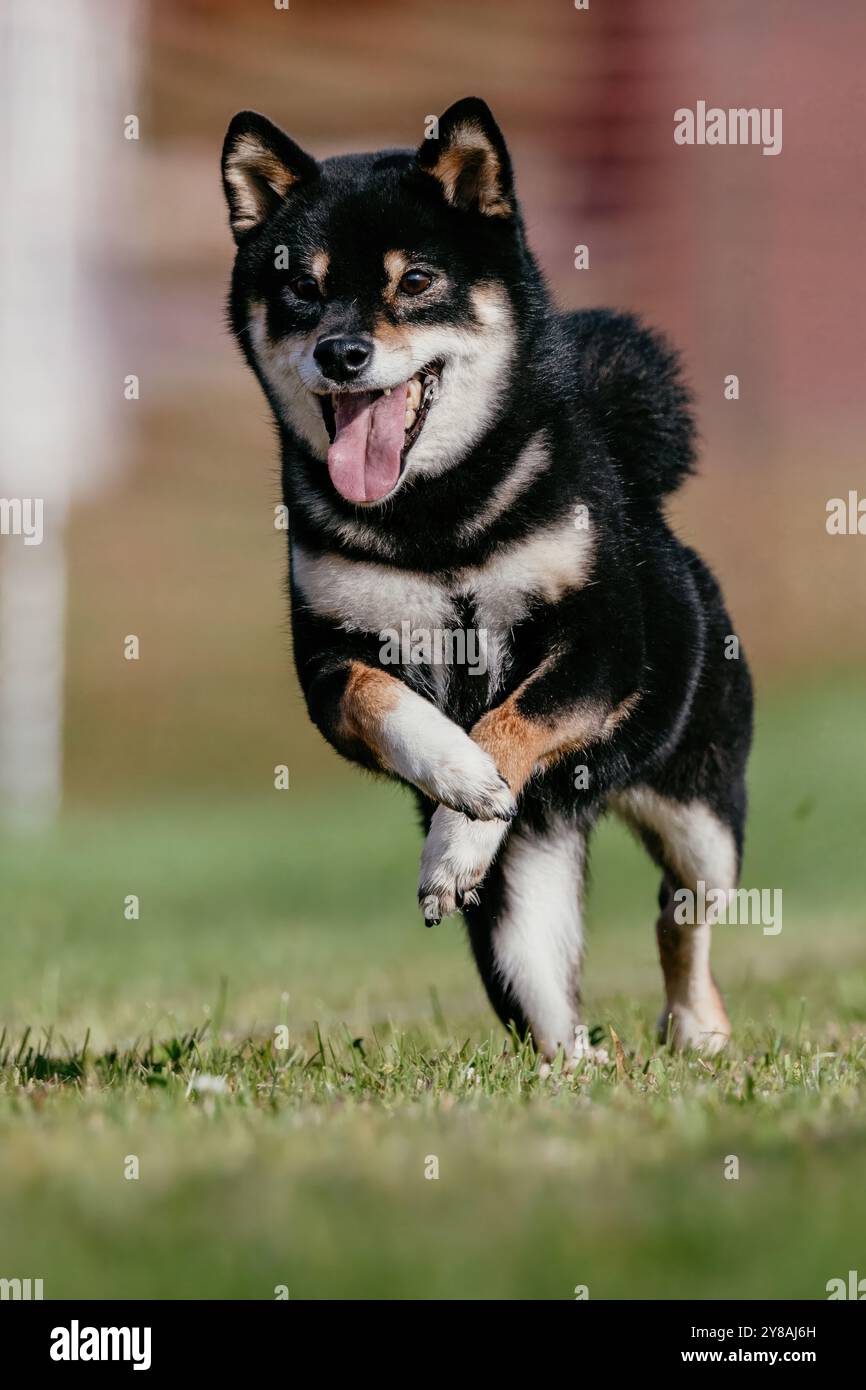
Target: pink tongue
364, 459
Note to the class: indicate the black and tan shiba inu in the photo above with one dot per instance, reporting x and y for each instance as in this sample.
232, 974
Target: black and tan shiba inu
460, 458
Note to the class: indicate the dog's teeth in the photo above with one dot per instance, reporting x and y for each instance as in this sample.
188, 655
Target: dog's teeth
411, 417
413, 394
387, 390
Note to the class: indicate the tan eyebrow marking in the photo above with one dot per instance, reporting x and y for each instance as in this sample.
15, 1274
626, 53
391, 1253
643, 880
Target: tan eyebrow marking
396, 265
319, 266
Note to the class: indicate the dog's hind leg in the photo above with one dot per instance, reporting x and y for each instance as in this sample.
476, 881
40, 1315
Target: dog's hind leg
526, 931
697, 848
694, 1013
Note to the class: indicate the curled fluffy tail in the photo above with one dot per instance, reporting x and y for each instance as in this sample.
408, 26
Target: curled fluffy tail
629, 378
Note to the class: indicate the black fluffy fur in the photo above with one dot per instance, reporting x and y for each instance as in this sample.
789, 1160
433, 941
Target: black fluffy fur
608, 396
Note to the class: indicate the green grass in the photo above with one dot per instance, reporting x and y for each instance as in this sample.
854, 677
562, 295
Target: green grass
306, 1167
309, 1171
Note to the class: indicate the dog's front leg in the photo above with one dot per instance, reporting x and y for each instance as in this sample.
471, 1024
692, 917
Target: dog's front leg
457, 854
523, 735
375, 718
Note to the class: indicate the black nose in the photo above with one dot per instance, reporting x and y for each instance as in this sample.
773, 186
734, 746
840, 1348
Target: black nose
342, 359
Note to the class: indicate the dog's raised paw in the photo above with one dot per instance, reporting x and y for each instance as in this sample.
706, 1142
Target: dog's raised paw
457, 854
472, 785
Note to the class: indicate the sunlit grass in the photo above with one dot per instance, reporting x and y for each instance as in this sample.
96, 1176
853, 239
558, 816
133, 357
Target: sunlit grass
288, 1054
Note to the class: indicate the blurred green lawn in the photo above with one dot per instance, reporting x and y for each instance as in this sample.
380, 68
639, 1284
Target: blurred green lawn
298, 908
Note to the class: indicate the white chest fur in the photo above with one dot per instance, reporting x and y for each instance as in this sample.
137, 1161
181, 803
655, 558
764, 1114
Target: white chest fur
363, 596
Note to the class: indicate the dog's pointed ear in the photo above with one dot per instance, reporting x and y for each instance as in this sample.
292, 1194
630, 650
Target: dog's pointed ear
468, 156
260, 166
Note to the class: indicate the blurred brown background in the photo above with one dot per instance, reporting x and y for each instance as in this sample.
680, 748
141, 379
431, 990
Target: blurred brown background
750, 263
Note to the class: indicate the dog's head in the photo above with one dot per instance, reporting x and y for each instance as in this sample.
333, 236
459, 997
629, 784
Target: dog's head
376, 295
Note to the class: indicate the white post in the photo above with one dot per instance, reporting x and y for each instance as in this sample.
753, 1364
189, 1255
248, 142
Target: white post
65, 84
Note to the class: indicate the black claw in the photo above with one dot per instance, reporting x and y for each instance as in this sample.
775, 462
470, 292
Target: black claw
430, 917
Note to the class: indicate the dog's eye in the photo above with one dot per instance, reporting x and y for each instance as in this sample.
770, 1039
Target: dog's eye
305, 287
415, 282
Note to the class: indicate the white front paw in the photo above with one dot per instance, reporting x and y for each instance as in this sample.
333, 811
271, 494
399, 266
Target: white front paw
465, 778
432, 753
457, 854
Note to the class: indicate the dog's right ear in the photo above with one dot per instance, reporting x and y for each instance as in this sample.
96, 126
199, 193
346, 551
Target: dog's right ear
260, 166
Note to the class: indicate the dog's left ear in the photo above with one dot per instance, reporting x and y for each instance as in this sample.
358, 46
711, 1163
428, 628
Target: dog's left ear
468, 156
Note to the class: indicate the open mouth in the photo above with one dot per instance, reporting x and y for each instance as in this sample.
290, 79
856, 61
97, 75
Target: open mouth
371, 433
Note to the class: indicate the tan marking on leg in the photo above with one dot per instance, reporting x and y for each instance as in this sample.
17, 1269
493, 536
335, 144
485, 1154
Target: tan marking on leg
695, 846
519, 745
694, 1014
619, 713
411, 737
369, 695
595, 726
514, 743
